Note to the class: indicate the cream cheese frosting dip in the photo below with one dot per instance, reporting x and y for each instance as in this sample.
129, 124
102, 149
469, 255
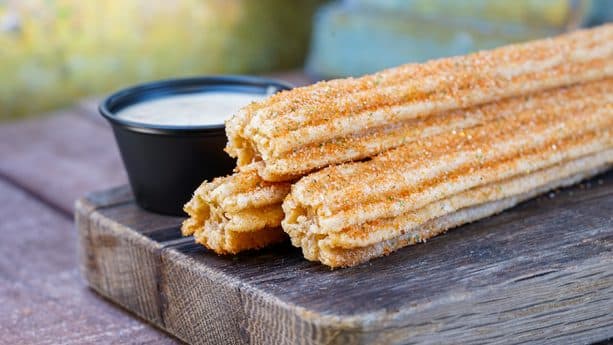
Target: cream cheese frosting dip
197, 109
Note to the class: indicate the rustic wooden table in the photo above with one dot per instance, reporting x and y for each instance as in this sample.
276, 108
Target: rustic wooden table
46, 163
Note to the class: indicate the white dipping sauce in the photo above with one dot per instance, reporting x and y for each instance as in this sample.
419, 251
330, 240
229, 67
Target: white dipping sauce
197, 109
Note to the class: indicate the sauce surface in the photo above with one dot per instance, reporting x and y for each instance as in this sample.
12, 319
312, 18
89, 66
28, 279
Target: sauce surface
198, 109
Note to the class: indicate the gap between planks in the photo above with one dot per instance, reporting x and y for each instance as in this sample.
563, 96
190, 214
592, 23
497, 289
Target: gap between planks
36, 196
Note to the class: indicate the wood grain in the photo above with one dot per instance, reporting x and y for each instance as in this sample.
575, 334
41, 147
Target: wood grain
60, 158
42, 297
111, 249
541, 272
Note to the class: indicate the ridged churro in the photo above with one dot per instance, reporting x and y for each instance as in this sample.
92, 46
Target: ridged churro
345, 257
299, 131
235, 213
346, 214
244, 212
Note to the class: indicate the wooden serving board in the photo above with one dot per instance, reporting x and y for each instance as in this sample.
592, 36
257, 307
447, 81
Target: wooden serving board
542, 271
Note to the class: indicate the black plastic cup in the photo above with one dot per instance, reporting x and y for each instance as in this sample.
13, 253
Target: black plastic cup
165, 164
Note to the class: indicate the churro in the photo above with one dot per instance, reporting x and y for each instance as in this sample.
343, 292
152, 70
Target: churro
299, 131
236, 213
364, 204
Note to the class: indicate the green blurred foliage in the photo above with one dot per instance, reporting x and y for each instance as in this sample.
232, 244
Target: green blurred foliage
55, 51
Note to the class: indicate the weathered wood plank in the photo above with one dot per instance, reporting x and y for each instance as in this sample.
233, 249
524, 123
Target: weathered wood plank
48, 238
42, 298
83, 208
540, 272
32, 315
60, 158
118, 262
216, 319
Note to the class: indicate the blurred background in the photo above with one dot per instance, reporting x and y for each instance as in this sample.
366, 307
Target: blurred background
55, 52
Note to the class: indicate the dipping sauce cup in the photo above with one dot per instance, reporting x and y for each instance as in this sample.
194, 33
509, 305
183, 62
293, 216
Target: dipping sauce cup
165, 161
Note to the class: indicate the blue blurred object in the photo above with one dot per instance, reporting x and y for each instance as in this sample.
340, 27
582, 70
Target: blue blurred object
355, 37
602, 12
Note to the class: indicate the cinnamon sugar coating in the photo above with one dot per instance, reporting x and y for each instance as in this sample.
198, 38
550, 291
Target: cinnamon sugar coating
550, 136
301, 130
